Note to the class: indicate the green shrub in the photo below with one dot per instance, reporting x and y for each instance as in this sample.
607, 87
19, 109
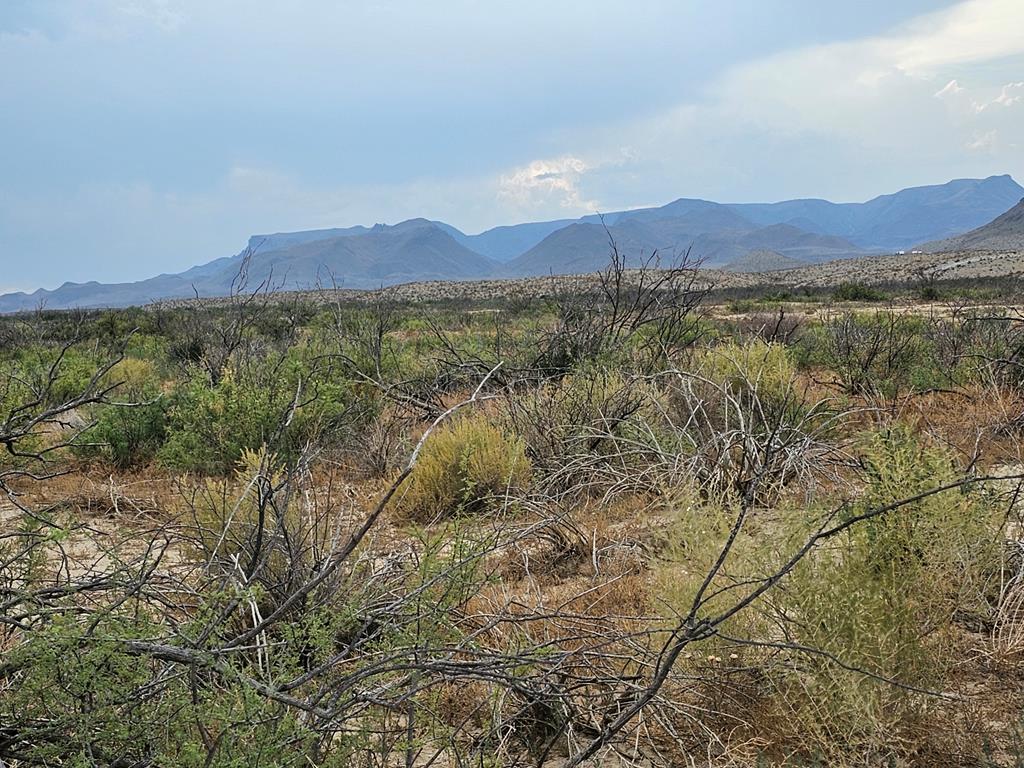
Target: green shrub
463, 468
879, 353
857, 292
129, 435
755, 365
210, 425
879, 598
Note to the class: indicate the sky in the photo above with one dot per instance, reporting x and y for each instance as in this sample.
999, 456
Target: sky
146, 136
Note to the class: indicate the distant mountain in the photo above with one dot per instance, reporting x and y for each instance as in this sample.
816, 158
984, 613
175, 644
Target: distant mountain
764, 261
358, 258
807, 231
898, 221
713, 234
265, 243
884, 224
579, 247
1005, 232
505, 243
413, 250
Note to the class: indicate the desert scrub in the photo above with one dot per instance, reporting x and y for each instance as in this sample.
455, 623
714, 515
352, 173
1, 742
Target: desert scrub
755, 366
72, 369
282, 405
464, 469
878, 598
858, 292
882, 353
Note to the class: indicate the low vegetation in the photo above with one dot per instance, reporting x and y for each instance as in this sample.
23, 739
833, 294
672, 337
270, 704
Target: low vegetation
629, 522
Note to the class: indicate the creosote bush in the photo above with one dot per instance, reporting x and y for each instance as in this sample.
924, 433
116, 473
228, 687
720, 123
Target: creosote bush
859, 632
881, 599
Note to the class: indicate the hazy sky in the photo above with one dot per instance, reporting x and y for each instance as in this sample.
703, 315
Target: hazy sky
145, 136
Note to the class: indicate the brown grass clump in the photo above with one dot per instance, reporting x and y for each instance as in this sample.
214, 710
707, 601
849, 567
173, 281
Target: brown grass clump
980, 420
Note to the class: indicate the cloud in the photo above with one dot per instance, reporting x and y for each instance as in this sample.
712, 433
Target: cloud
952, 88
164, 14
972, 31
542, 182
1011, 94
845, 120
985, 142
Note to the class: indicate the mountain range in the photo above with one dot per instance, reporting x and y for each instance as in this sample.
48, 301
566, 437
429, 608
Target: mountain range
732, 236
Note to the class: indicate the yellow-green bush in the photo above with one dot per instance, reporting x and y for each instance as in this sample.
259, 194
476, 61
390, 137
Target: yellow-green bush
881, 597
765, 367
134, 375
463, 468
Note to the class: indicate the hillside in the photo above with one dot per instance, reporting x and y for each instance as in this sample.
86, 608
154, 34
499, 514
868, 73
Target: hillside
1005, 232
413, 250
763, 261
507, 242
715, 236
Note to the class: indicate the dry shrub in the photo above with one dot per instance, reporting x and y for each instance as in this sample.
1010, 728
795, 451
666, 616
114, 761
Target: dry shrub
256, 526
598, 539
464, 468
587, 433
779, 327
979, 419
381, 446
134, 374
1008, 627
747, 425
462, 706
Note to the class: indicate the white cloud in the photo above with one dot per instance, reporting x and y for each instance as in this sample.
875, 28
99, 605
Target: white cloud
952, 88
542, 182
976, 30
1011, 94
867, 80
845, 120
985, 142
